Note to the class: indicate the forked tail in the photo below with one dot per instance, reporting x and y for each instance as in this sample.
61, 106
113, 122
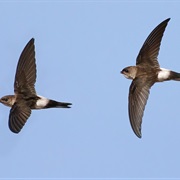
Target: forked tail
56, 104
175, 76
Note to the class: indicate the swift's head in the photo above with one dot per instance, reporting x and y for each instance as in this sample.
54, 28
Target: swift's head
129, 72
8, 100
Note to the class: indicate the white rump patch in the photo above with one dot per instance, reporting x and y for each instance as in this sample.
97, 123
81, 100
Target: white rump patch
42, 102
126, 76
163, 74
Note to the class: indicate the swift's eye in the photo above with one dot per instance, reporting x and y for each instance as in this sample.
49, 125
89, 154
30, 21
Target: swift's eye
126, 70
5, 99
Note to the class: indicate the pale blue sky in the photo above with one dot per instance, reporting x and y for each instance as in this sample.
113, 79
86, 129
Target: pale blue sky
81, 46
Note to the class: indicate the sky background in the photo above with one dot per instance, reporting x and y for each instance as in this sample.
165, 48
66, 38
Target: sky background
81, 47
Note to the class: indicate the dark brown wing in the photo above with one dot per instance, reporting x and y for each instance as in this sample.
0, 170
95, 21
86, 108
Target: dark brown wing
150, 49
18, 116
25, 77
138, 95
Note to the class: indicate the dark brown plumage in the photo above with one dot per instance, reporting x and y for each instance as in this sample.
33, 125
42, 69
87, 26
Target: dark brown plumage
25, 97
146, 72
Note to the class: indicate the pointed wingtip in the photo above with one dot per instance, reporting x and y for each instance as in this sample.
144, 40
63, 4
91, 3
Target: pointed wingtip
32, 40
138, 134
167, 20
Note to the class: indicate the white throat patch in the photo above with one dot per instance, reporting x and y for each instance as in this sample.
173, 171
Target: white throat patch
126, 76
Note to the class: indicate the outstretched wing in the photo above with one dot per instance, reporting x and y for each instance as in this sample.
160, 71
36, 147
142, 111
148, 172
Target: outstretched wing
18, 116
25, 77
138, 96
150, 49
